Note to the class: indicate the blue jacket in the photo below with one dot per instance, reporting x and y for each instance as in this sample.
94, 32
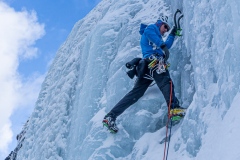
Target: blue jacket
151, 41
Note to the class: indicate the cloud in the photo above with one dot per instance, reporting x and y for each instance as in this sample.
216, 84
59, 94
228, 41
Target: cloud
18, 34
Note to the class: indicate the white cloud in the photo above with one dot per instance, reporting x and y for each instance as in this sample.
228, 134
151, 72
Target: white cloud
18, 33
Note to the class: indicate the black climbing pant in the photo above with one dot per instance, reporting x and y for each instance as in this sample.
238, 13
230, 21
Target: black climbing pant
163, 82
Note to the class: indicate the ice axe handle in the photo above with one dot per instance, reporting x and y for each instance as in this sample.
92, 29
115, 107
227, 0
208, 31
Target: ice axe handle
179, 27
175, 17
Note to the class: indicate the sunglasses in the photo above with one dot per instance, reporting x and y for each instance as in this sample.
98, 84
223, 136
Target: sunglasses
166, 27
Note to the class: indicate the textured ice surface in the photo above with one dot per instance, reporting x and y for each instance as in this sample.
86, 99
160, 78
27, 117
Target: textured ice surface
87, 78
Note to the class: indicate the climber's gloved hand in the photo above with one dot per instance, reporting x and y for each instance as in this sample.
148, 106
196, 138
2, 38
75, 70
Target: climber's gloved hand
166, 51
174, 31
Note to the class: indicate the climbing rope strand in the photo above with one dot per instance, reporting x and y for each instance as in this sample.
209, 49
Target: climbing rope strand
169, 118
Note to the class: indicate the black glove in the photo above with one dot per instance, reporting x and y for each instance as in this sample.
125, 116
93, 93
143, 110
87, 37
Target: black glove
165, 51
174, 31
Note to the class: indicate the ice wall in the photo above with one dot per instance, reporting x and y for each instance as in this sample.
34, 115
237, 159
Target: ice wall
212, 42
87, 78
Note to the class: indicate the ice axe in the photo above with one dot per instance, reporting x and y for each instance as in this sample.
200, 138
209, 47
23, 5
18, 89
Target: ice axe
177, 22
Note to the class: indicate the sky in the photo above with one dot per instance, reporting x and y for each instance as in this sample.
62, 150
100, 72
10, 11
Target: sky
31, 33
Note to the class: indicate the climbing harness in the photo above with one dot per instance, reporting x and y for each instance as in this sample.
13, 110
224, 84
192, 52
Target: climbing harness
157, 64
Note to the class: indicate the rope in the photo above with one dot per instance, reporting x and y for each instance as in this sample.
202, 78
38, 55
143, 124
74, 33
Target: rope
169, 108
169, 138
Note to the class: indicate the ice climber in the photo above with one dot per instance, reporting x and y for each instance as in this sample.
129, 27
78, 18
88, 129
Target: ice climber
152, 67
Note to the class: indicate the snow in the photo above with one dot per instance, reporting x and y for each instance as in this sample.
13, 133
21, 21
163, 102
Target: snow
87, 78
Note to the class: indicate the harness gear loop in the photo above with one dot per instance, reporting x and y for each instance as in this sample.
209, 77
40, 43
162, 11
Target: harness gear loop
158, 64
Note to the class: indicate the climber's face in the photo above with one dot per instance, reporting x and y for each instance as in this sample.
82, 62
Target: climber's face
164, 28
